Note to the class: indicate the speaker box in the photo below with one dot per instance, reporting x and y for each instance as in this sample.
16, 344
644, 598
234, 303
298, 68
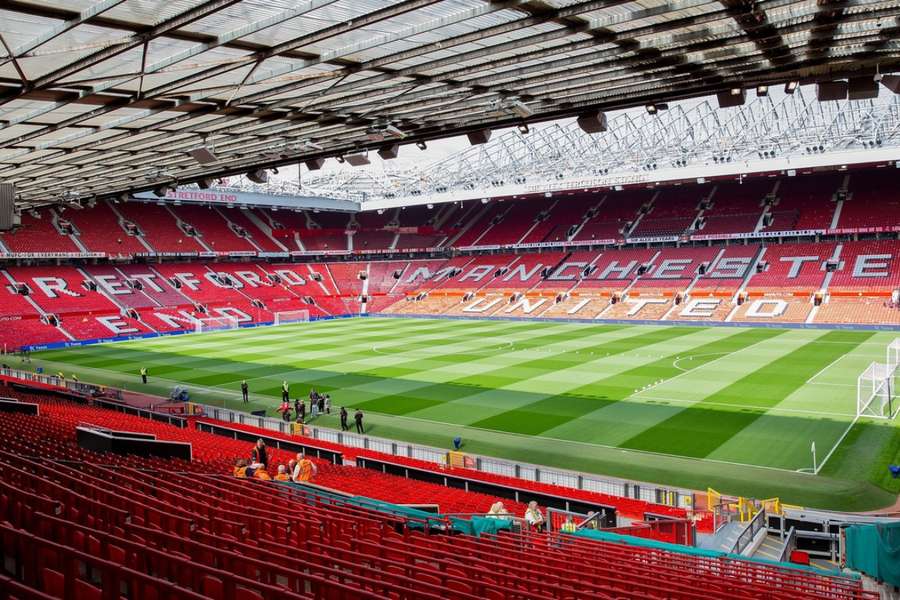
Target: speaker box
594, 122
204, 156
829, 91
862, 88
389, 152
356, 160
314, 164
8, 217
728, 100
891, 82
479, 136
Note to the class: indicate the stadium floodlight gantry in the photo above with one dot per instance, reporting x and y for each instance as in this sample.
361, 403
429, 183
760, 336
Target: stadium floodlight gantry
116, 96
688, 141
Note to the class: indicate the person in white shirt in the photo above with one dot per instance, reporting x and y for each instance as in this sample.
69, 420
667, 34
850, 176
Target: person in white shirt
533, 517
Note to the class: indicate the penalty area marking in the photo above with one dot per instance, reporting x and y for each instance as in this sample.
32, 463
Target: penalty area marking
692, 357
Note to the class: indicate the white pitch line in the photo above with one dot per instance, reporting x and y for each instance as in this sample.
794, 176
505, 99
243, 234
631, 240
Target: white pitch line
589, 444
850, 385
697, 368
742, 406
828, 366
693, 356
836, 444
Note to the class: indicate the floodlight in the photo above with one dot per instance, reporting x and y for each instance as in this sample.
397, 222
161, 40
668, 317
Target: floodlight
421, 145
791, 86
521, 109
762, 91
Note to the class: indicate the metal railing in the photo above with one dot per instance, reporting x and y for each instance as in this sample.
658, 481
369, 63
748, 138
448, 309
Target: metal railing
756, 524
676, 497
790, 542
623, 488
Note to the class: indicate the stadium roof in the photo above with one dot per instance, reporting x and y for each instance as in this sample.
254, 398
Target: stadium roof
102, 97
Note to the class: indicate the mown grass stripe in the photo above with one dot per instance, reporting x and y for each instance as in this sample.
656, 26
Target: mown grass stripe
554, 411
698, 430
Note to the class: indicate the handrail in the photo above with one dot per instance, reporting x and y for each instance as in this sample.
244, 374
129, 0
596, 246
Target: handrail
490, 465
611, 486
790, 542
754, 526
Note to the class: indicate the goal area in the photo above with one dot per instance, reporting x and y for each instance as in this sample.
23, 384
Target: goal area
206, 324
876, 395
291, 316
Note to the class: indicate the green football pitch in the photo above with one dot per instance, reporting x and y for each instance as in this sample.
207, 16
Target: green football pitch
736, 409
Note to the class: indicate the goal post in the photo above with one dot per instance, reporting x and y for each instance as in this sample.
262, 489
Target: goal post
892, 355
291, 316
875, 392
206, 324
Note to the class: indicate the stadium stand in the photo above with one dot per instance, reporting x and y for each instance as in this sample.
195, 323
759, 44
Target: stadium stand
734, 208
160, 227
857, 278
618, 269
76, 519
213, 229
518, 219
675, 268
874, 192
728, 271
672, 212
798, 267
62, 290
39, 232
804, 202
566, 216
101, 230
257, 230
473, 222
614, 216
527, 271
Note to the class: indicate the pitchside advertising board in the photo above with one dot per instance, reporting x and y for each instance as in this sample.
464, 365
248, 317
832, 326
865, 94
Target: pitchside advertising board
864, 270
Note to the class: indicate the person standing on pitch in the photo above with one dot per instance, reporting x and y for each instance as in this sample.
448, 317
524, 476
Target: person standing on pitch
344, 415
245, 391
358, 417
301, 415
144, 375
285, 391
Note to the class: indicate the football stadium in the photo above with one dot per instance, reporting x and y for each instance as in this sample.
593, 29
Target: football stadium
458, 299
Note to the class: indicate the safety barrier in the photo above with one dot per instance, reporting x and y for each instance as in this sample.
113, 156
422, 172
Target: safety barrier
623, 488
756, 524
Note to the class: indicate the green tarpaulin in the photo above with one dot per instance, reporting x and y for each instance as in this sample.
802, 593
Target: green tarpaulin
480, 525
875, 551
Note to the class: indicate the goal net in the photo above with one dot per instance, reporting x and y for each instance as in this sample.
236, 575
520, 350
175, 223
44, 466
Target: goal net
291, 316
875, 392
215, 324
